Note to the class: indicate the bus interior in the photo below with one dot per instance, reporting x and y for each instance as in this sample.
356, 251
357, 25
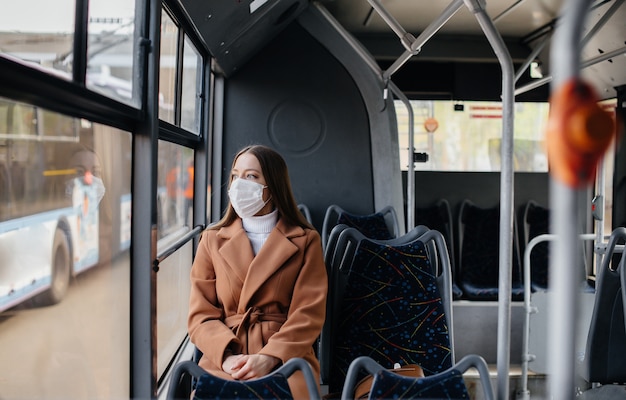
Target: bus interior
439, 111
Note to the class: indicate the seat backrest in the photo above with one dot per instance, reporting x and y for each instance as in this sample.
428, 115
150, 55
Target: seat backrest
273, 385
385, 303
605, 356
448, 384
304, 209
535, 222
382, 225
341, 247
329, 251
438, 216
479, 258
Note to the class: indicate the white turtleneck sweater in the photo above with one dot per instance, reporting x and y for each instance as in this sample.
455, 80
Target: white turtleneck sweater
259, 228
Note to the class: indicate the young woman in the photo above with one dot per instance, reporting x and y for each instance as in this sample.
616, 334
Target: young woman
258, 282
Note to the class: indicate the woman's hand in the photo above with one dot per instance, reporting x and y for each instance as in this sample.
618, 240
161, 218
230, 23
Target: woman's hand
244, 367
233, 363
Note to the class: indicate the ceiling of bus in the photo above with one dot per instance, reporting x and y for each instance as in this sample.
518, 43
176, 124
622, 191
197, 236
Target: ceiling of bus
512, 18
234, 31
522, 23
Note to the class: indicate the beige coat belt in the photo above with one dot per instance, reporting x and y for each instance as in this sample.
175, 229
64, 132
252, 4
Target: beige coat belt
246, 327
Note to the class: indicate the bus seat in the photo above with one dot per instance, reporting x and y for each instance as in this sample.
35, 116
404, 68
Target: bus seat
479, 265
382, 225
536, 221
448, 384
385, 302
605, 358
329, 251
438, 216
339, 247
304, 209
273, 385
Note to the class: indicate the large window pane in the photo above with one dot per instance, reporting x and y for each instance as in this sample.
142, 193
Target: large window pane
174, 208
173, 287
111, 48
45, 38
167, 74
65, 206
190, 97
39, 32
468, 135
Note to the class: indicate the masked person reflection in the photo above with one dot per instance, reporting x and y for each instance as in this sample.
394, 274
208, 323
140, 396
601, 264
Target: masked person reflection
258, 282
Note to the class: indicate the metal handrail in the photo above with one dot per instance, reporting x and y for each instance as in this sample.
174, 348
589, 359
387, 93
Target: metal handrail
524, 393
176, 245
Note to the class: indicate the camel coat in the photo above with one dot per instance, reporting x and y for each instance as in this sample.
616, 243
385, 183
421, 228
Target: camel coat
271, 304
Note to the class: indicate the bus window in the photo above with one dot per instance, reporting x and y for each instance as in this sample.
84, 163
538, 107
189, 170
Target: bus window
175, 180
179, 95
111, 52
466, 136
44, 38
173, 288
190, 92
174, 189
167, 74
64, 236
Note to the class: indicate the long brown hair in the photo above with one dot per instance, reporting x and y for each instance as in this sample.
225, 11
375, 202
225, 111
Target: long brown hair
276, 175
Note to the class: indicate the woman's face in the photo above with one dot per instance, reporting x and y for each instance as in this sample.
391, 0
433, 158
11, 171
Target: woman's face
247, 166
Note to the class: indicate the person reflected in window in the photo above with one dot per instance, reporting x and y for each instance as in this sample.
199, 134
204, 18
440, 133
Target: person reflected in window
258, 281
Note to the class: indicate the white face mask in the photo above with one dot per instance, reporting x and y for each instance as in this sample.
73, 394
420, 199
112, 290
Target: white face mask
246, 197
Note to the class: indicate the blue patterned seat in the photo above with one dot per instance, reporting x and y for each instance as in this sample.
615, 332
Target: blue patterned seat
271, 386
479, 259
382, 225
448, 384
386, 303
438, 216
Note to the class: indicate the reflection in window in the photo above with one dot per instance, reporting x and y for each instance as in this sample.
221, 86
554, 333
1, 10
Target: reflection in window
174, 190
65, 211
468, 134
111, 52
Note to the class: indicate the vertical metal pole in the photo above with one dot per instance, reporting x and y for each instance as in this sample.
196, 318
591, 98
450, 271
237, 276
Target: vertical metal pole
410, 175
564, 260
506, 195
143, 379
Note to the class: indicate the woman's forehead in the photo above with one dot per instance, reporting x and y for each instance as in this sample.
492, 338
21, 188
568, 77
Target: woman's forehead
247, 161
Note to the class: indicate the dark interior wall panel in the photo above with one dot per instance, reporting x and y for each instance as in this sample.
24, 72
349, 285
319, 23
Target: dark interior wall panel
483, 188
295, 97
